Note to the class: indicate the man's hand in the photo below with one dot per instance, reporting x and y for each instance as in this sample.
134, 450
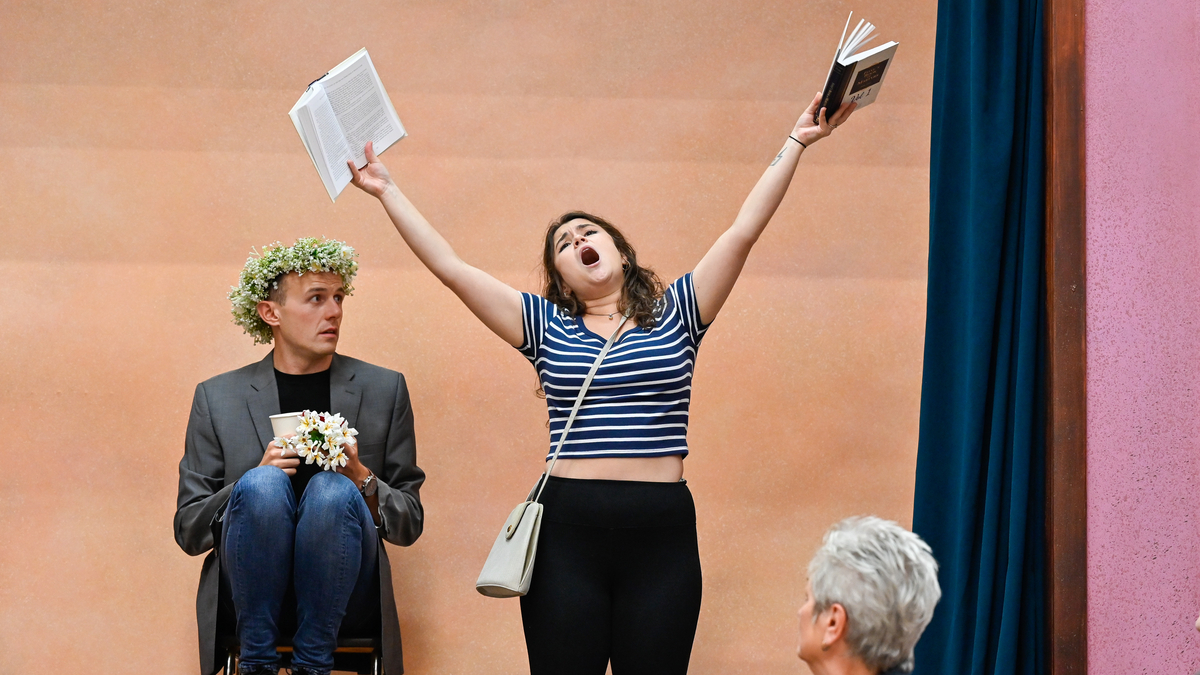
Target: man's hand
354, 469
274, 457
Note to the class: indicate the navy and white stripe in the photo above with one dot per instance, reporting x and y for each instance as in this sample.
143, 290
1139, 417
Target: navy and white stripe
637, 405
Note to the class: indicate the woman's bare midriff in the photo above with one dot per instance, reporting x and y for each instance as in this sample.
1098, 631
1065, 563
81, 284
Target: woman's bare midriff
667, 469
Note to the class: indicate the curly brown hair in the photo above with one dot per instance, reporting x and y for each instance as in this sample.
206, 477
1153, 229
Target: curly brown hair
642, 289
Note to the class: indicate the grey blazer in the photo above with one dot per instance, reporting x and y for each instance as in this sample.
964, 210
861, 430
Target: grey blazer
227, 434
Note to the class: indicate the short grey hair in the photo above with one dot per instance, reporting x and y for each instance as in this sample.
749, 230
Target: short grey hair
886, 578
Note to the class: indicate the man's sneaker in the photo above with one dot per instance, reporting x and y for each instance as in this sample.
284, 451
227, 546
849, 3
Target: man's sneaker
308, 671
246, 669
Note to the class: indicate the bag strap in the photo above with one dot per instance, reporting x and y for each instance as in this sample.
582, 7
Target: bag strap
578, 401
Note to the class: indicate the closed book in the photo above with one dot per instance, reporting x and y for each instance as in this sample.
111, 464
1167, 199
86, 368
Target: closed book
857, 74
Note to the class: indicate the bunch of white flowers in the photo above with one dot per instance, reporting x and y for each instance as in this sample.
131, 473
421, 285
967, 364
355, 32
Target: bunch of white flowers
261, 273
320, 438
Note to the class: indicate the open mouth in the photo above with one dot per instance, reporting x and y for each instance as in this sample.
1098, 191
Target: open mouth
588, 256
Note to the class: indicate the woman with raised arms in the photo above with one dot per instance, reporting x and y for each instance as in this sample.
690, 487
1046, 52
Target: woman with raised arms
618, 570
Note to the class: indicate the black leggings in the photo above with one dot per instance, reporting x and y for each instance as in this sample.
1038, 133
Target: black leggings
617, 576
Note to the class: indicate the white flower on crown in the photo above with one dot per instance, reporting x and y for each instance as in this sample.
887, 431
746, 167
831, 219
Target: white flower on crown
308, 254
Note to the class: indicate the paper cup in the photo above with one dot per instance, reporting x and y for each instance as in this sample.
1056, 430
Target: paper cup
285, 423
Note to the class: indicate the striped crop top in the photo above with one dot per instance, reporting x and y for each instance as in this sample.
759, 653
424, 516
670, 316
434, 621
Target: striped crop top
637, 405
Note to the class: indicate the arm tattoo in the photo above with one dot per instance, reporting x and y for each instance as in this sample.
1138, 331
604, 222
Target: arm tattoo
780, 155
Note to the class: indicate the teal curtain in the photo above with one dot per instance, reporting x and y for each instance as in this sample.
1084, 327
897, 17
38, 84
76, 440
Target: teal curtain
980, 489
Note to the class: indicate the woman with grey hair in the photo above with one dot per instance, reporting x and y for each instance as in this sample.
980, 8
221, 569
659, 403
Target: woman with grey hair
872, 587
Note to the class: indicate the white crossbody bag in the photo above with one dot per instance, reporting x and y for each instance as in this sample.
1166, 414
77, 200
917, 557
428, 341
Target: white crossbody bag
509, 567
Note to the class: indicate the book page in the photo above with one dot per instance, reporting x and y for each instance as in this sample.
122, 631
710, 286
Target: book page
829, 83
308, 130
331, 143
362, 109
858, 39
302, 120
848, 45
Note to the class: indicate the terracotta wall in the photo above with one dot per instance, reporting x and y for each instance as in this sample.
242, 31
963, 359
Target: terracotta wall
1143, 243
144, 148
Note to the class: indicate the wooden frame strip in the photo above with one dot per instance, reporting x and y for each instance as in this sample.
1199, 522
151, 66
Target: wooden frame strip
1066, 432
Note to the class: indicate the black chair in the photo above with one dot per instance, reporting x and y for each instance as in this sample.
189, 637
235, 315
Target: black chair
356, 655
359, 650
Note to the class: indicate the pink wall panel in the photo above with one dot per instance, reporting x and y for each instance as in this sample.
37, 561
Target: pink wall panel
1143, 286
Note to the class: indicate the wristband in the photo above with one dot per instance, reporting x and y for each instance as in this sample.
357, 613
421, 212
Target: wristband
798, 141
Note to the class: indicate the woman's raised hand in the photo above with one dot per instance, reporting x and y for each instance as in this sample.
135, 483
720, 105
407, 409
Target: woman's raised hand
809, 132
374, 178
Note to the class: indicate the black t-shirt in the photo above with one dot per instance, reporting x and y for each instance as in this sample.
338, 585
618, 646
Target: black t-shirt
298, 393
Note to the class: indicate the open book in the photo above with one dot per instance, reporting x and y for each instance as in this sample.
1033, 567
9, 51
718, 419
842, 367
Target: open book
339, 113
855, 77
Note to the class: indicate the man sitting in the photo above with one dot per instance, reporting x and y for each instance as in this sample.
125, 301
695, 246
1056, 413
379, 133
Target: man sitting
872, 587
294, 547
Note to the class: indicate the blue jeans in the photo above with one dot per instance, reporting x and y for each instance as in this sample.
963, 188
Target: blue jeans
327, 544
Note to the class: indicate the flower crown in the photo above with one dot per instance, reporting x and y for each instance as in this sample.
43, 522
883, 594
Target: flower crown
262, 273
